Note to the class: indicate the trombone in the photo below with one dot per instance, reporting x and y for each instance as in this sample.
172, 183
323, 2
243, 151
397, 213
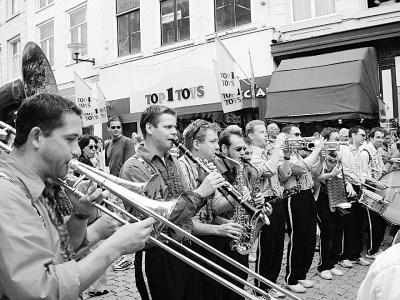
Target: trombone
160, 211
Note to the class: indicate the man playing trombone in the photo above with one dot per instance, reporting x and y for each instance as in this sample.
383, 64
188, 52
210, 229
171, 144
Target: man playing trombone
33, 241
160, 275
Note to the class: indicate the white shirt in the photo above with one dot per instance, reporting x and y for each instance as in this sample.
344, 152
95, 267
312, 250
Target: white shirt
383, 277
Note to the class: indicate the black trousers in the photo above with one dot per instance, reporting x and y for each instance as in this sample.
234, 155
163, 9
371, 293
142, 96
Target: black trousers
270, 246
223, 244
301, 218
331, 232
209, 288
160, 275
376, 229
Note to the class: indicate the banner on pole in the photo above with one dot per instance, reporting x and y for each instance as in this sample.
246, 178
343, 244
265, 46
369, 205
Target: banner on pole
232, 101
102, 102
227, 80
84, 98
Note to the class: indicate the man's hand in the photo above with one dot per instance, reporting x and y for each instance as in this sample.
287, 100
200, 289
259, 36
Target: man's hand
282, 143
350, 190
102, 228
259, 199
131, 237
211, 182
336, 170
380, 185
232, 230
84, 205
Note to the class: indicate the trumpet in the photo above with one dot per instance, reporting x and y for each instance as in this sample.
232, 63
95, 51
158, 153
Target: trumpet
155, 209
310, 144
7, 135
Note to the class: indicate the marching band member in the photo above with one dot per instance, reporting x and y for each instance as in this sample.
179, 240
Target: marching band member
36, 261
160, 275
232, 145
328, 222
301, 216
372, 169
353, 222
273, 167
201, 138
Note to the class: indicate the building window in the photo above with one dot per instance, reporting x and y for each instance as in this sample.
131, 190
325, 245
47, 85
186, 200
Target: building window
12, 8
231, 13
78, 27
128, 20
15, 54
307, 9
44, 3
175, 21
46, 38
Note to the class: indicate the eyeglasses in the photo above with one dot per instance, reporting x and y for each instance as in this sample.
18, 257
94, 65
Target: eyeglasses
297, 134
115, 127
91, 147
240, 149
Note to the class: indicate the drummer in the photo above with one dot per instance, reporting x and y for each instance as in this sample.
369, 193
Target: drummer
372, 169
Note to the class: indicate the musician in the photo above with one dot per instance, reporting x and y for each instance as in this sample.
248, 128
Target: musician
272, 168
233, 147
32, 263
372, 169
329, 222
201, 138
301, 216
159, 274
119, 148
353, 223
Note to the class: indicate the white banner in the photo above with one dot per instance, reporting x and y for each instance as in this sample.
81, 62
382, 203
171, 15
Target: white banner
85, 101
227, 80
102, 102
230, 101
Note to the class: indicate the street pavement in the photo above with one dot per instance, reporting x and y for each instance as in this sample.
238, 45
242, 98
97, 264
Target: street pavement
122, 286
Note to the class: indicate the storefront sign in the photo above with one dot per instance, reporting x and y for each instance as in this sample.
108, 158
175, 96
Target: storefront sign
172, 94
260, 93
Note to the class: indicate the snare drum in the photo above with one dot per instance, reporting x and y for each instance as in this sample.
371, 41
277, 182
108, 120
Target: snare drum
391, 209
372, 201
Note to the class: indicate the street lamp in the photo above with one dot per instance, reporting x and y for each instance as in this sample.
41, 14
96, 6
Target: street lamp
76, 49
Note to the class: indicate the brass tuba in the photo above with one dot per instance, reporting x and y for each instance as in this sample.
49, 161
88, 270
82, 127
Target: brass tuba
37, 77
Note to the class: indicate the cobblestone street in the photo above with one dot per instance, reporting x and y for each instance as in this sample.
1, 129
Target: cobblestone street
121, 284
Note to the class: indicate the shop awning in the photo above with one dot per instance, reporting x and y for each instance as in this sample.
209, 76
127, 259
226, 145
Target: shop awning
338, 85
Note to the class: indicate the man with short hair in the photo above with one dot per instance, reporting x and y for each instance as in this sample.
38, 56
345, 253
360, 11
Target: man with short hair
272, 130
119, 148
273, 169
353, 222
301, 213
372, 168
160, 275
37, 248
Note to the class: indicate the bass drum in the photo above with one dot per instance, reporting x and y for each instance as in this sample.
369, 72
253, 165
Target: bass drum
391, 197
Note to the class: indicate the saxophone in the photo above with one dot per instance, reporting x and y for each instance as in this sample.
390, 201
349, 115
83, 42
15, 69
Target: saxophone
251, 226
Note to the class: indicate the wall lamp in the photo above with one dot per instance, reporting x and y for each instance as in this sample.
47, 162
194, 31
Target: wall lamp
76, 49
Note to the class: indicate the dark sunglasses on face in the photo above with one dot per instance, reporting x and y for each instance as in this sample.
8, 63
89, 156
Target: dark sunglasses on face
91, 147
297, 134
239, 149
115, 127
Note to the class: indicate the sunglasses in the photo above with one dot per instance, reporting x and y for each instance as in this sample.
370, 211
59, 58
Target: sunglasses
115, 127
240, 149
297, 134
91, 147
